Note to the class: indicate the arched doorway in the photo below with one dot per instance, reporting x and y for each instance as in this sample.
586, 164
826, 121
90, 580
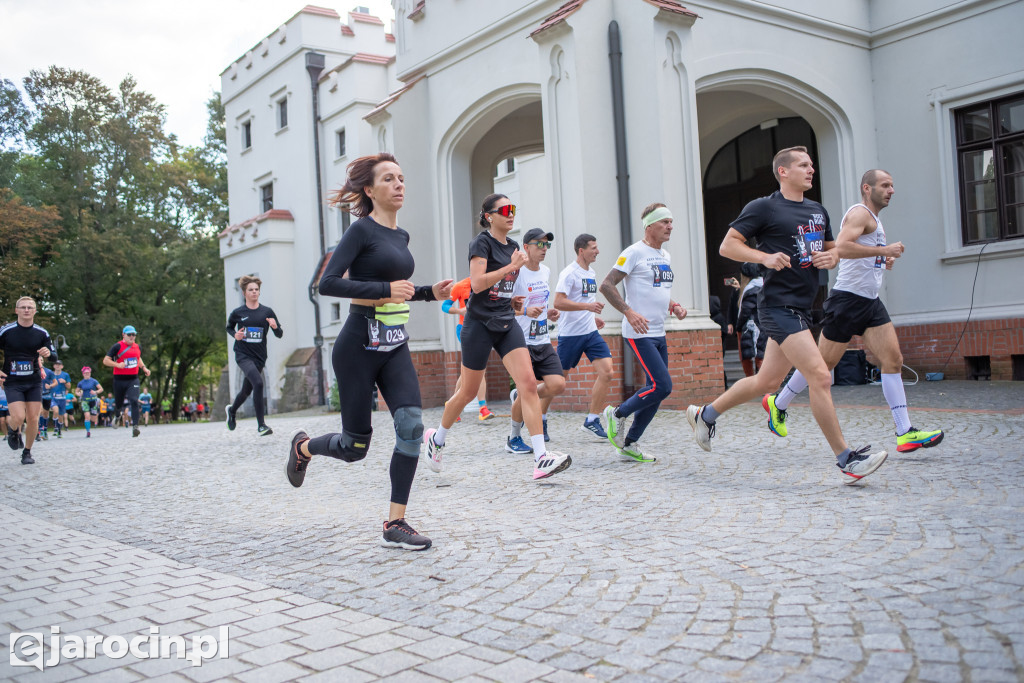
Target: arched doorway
741, 171
505, 126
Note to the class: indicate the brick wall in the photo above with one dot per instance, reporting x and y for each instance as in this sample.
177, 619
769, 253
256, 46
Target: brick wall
926, 347
695, 362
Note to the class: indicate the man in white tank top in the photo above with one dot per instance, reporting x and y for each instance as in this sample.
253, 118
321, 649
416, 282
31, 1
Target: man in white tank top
853, 308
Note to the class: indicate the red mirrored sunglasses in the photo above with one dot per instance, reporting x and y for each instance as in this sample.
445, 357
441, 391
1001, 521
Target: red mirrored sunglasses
507, 211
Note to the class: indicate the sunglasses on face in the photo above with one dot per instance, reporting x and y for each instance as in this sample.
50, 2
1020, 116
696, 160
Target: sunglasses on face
130, 334
540, 244
507, 211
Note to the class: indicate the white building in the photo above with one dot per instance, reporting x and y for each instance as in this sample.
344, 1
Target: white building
710, 91
273, 201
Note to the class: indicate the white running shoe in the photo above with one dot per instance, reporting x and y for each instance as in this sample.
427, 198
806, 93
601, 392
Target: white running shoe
550, 463
702, 431
861, 464
434, 451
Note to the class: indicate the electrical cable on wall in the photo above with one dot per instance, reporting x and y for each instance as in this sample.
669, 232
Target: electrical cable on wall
974, 286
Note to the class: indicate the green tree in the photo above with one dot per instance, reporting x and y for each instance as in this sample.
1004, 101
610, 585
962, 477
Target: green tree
133, 224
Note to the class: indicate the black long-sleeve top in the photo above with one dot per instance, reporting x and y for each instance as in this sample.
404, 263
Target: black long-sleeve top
373, 256
254, 322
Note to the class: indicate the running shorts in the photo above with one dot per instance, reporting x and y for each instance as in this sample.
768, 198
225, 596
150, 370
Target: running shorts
779, 322
545, 361
571, 349
478, 340
848, 314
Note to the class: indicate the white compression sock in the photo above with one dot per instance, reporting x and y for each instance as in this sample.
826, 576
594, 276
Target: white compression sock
786, 394
896, 397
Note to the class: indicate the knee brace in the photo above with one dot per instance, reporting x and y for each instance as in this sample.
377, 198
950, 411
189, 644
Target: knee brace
409, 430
349, 446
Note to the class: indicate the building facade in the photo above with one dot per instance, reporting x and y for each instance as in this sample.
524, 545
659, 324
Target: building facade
709, 91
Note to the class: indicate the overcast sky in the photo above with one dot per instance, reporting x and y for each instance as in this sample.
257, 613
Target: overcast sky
175, 50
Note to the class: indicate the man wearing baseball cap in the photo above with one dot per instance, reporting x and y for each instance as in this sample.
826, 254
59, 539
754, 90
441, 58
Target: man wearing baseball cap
533, 287
87, 391
125, 357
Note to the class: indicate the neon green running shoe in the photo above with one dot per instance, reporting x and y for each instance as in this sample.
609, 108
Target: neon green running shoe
615, 427
633, 451
915, 439
776, 417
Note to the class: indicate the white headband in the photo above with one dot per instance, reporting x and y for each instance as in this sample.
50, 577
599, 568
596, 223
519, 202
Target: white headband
659, 214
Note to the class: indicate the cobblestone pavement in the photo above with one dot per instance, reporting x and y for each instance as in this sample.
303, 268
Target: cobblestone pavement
753, 562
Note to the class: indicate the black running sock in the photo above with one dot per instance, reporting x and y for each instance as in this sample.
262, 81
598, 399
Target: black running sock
628, 442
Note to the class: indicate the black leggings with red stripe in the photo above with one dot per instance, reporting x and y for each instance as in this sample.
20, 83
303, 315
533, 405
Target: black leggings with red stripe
652, 353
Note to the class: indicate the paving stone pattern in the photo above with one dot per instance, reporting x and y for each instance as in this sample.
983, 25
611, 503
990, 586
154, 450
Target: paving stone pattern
753, 562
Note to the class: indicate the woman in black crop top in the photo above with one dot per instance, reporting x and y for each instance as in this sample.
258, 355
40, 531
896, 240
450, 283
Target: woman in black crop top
372, 347
494, 263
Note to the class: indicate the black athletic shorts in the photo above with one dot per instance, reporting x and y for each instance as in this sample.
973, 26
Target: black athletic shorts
545, 361
24, 392
848, 314
478, 340
779, 322
46, 402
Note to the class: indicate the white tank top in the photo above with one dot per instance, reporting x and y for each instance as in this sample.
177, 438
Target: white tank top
863, 276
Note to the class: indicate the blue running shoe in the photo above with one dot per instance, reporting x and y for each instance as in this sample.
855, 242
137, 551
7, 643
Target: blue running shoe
517, 445
595, 428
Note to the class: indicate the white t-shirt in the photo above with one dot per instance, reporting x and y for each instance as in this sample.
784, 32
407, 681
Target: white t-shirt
579, 285
533, 284
648, 283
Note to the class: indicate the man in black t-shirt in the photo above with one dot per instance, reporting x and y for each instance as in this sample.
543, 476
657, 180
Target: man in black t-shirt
23, 343
249, 325
795, 240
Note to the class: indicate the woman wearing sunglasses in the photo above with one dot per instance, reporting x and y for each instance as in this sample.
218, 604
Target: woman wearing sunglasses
125, 357
494, 263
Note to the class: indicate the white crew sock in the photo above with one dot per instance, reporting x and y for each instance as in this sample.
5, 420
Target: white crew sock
517, 429
537, 441
592, 416
786, 394
440, 434
896, 397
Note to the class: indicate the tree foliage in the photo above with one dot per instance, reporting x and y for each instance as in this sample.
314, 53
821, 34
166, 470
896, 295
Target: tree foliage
108, 221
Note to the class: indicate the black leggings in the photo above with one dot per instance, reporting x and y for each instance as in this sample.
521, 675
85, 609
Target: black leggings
357, 370
252, 384
127, 385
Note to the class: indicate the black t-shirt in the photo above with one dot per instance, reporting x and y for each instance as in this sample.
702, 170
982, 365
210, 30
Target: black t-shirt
374, 256
20, 346
792, 228
254, 321
496, 302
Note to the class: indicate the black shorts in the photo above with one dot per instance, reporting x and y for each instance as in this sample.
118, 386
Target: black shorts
779, 322
23, 392
848, 314
478, 340
545, 361
4, 412
47, 400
